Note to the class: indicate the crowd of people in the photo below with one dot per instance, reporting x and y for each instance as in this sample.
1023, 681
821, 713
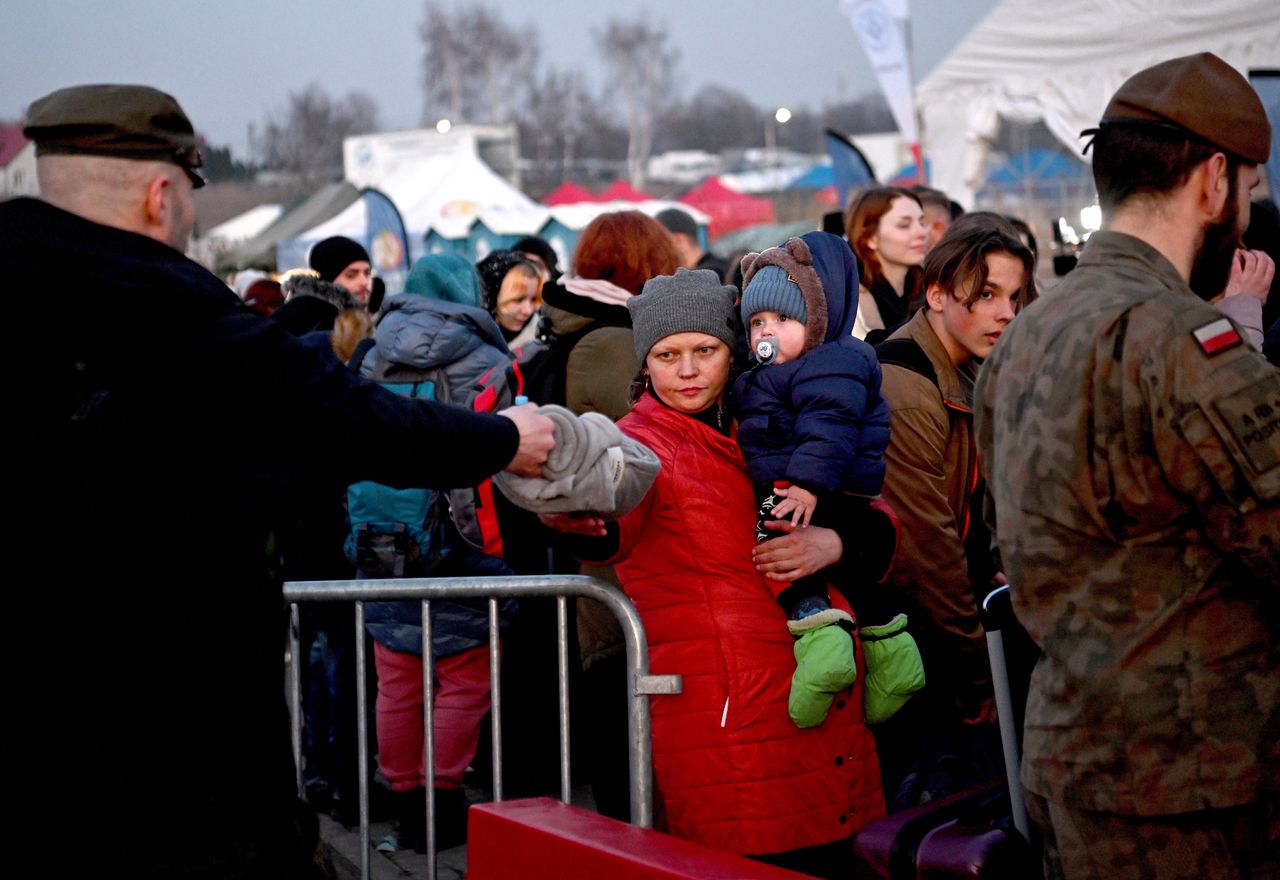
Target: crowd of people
853, 438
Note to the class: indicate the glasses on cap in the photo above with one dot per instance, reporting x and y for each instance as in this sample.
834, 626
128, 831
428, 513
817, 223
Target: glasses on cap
189, 159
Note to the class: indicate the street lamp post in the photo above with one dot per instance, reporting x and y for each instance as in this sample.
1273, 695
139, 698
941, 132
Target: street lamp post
781, 117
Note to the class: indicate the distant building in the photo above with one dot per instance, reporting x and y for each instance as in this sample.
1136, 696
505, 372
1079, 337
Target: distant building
685, 167
17, 163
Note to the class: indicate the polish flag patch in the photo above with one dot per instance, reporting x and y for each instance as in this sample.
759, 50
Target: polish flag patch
1216, 336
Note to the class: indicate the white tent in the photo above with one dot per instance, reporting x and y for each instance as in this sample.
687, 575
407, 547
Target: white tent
446, 193
1061, 62
230, 233
243, 227
449, 193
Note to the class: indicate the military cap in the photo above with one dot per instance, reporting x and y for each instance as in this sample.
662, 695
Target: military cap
1202, 95
124, 121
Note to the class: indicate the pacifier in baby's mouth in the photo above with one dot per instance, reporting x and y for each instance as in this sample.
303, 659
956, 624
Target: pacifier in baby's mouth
766, 351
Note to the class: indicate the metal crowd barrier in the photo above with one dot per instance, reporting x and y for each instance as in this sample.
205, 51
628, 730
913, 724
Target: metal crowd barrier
492, 588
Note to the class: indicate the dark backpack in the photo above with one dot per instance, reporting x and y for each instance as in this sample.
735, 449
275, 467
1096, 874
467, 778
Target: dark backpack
907, 353
406, 532
397, 533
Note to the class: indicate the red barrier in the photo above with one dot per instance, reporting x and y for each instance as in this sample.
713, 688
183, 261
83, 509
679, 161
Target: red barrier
543, 838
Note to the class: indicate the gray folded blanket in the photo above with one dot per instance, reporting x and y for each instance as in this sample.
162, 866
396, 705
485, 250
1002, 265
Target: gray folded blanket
594, 467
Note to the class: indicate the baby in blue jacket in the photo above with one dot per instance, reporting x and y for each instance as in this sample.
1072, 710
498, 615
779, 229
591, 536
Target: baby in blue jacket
810, 413
812, 424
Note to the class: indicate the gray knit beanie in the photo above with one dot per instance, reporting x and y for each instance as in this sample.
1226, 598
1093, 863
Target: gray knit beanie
690, 301
772, 290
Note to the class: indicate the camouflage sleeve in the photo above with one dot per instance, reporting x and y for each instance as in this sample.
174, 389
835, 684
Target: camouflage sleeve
1217, 420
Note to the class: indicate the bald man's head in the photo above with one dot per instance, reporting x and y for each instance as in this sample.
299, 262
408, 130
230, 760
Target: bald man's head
149, 197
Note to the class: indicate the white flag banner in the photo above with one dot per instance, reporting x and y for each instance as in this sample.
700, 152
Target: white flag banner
874, 23
897, 8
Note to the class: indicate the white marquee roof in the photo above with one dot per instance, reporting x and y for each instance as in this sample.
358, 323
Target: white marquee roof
1062, 61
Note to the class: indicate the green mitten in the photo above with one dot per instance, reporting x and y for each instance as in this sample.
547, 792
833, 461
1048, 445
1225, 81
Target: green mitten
824, 666
894, 669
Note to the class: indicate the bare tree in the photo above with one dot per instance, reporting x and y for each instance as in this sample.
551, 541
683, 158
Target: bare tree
554, 118
306, 139
567, 132
475, 66
865, 114
643, 72
714, 119
548, 118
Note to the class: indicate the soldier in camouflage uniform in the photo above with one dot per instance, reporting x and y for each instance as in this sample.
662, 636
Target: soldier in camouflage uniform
1131, 443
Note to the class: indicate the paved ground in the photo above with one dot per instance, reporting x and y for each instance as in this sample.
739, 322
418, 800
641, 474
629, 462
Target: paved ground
341, 846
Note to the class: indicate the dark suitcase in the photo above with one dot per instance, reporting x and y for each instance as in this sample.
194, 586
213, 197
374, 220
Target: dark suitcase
980, 843
982, 832
886, 849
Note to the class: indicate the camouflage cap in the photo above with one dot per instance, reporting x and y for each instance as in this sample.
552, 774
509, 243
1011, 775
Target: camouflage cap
1202, 95
124, 121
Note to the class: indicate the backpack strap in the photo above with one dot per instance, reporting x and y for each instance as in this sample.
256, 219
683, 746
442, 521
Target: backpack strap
906, 353
359, 354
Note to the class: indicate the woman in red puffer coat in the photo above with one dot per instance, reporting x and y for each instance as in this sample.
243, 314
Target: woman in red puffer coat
731, 769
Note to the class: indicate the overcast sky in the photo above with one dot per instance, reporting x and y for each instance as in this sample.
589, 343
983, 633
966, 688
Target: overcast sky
234, 62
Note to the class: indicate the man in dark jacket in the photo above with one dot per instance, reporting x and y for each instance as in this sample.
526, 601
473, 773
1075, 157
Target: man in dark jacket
345, 263
153, 738
684, 235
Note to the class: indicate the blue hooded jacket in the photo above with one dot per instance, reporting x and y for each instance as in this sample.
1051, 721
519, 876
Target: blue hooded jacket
435, 327
818, 421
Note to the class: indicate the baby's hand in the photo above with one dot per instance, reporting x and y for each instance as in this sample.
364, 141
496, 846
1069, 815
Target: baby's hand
797, 502
1251, 274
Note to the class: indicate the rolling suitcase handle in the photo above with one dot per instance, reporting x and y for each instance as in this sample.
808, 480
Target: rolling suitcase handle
997, 611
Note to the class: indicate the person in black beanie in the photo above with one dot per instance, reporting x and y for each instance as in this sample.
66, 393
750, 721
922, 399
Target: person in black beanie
540, 251
344, 262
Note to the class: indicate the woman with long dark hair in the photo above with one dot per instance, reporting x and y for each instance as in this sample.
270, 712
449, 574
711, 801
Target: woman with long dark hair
885, 227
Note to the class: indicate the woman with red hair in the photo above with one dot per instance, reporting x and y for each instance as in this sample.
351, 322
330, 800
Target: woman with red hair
616, 254
885, 228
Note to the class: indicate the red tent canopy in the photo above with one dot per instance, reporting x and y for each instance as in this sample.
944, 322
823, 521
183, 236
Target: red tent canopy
569, 193
727, 208
621, 191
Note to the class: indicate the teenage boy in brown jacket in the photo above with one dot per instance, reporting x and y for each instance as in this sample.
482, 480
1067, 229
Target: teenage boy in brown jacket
976, 278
